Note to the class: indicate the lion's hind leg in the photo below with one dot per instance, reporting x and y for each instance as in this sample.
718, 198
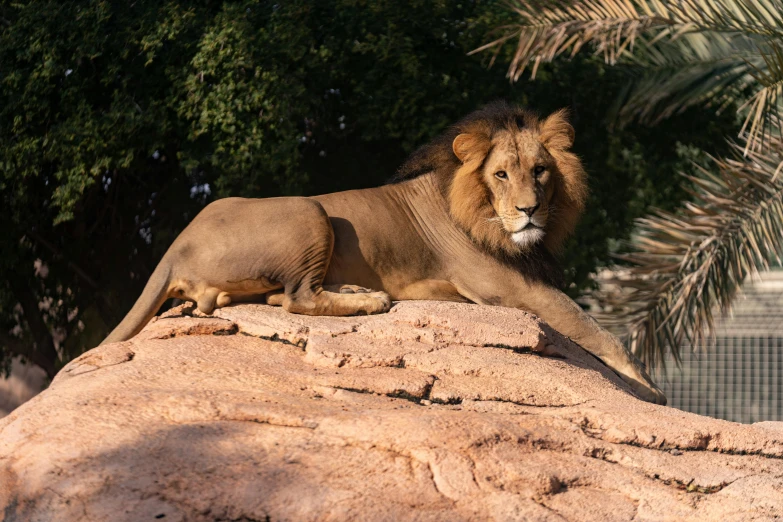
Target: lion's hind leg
212, 298
302, 279
347, 289
348, 300
333, 300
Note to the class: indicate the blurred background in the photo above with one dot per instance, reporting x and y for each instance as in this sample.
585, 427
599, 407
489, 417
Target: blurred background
119, 121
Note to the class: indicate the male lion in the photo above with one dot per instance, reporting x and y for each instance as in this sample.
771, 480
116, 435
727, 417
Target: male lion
474, 216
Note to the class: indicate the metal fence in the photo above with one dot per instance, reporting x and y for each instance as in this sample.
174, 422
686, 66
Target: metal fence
740, 377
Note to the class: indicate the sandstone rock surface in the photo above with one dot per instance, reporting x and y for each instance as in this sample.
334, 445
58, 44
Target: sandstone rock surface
434, 411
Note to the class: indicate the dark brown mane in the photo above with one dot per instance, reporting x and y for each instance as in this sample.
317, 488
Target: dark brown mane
438, 156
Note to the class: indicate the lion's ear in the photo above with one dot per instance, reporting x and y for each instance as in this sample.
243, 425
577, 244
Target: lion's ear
556, 133
467, 146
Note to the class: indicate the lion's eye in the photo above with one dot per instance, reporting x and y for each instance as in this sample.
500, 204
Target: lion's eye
501, 174
539, 170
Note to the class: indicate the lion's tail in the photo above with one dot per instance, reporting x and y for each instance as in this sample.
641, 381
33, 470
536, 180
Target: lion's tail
154, 295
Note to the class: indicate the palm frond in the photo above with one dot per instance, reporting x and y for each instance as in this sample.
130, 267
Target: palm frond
688, 266
695, 69
721, 47
764, 106
549, 28
760, 17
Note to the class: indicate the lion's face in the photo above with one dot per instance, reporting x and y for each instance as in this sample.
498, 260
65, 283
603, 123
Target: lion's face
517, 172
518, 184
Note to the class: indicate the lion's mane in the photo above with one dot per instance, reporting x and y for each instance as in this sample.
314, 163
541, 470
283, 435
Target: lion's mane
468, 196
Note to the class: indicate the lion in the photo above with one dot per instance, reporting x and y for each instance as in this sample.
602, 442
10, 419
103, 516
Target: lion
478, 215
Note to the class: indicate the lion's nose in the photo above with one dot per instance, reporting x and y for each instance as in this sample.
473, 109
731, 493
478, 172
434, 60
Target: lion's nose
528, 210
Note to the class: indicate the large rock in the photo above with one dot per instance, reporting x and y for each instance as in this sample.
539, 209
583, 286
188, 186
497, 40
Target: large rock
434, 411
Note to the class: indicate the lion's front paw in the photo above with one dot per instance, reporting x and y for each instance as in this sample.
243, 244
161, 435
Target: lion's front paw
636, 376
648, 391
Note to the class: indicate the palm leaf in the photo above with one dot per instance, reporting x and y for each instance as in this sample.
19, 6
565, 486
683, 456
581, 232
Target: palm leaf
694, 69
549, 28
696, 51
764, 113
687, 267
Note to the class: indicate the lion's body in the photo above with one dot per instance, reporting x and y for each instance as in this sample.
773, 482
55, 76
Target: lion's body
370, 226
447, 230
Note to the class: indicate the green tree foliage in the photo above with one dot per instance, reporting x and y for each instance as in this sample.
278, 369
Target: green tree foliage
120, 120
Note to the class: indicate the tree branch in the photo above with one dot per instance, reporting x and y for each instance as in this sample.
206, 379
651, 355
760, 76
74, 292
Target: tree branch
44, 353
107, 309
73, 266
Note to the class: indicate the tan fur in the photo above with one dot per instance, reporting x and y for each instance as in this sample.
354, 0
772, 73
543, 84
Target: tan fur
450, 228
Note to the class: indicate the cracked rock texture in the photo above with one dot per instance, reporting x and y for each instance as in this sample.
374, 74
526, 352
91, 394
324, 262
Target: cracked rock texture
434, 411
